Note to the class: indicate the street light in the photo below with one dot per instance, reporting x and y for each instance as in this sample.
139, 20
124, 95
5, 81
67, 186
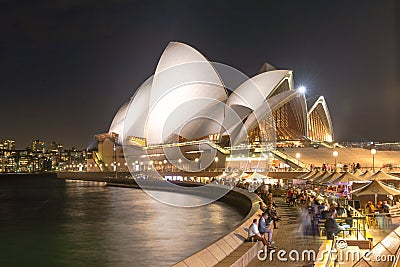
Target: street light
115, 160
373, 152
335, 154
297, 157
165, 164
179, 165
197, 164
216, 161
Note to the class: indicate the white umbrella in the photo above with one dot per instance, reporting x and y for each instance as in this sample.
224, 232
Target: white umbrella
256, 175
382, 176
232, 175
376, 188
254, 180
305, 175
318, 179
358, 172
221, 176
366, 175
315, 175
331, 177
348, 177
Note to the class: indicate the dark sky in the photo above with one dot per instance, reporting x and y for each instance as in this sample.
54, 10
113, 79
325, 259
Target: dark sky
67, 66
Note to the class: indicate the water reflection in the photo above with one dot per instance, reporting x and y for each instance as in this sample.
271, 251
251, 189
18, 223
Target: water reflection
53, 223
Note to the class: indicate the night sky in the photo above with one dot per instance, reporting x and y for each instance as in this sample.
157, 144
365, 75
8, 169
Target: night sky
67, 66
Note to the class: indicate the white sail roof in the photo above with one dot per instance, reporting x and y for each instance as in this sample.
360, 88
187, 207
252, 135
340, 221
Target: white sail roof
138, 110
256, 90
323, 113
117, 124
186, 90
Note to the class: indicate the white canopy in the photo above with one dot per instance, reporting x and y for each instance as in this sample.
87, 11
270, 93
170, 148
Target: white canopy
382, 176
256, 175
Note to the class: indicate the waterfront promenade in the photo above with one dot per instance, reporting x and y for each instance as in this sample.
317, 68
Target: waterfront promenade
289, 236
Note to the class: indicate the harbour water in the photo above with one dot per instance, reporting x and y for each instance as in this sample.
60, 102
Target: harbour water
45, 221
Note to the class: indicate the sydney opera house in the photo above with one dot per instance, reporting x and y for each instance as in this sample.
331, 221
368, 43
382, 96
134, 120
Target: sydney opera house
194, 115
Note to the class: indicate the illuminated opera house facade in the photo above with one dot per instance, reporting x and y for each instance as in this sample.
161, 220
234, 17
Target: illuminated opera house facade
195, 115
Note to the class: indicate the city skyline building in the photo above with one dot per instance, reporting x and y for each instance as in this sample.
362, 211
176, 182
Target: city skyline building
7, 144
40, 158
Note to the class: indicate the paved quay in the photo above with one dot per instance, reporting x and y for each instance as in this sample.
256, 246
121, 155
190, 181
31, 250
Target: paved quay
289, 236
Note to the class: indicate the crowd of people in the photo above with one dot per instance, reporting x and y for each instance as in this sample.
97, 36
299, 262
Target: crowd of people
379, 215
351, 167
315, 209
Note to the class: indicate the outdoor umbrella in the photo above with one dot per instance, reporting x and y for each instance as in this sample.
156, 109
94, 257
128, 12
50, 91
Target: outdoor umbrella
382, 176
305, 175
256, 175
243, 175
254, 180
376, 188
232, 175
366, 175
358, 172
347, 177
222, 176
315, 175
321, 177
332, 176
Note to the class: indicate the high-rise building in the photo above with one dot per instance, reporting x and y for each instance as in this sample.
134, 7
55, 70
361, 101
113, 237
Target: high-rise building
38, 146
54, 147
7, 144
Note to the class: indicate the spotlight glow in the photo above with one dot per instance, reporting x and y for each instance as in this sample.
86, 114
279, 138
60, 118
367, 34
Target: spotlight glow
302, 89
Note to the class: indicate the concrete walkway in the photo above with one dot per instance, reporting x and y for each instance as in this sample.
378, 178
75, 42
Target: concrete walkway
289, 236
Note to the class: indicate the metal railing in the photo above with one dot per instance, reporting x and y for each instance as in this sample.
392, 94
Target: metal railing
291, 159
189, 143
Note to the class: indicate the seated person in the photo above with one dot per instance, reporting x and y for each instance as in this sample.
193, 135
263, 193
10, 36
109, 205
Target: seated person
385, 219
263, 208
255, 234
385, 207
272, 214
331, 226
349, 219
264, 227
324, 214
340, 211
369, 208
